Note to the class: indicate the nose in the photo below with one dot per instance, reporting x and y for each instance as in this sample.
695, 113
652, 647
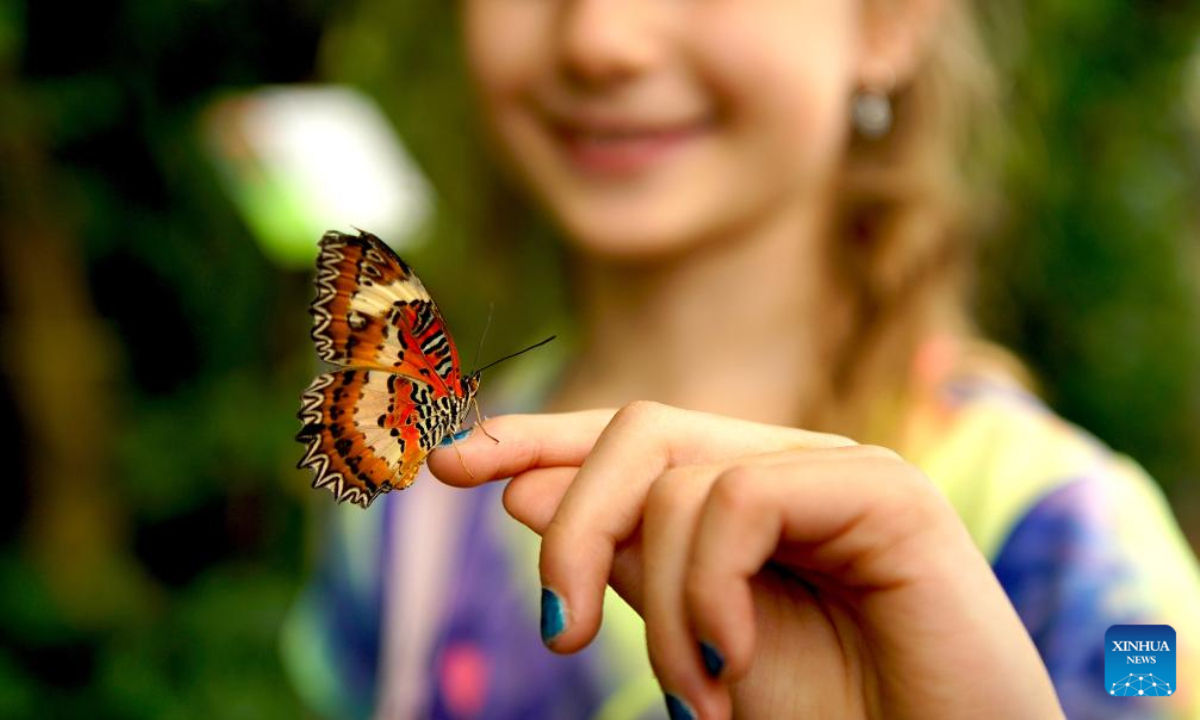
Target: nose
605, 41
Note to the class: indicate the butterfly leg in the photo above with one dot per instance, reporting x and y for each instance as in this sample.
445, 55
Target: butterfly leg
462, 462
479, 417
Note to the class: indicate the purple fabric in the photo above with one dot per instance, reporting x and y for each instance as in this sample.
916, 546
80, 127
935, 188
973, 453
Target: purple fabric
1059, 565
489, 628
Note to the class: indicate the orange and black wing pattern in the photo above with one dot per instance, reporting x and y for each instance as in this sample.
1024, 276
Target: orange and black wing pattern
368, 431
369, 425
372, 311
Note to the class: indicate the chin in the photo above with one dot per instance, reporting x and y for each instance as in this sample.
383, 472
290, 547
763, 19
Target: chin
630, 236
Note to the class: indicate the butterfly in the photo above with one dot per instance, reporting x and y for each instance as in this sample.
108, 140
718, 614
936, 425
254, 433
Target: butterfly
399, 391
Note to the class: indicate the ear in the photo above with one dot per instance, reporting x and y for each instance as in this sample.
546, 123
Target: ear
895, 36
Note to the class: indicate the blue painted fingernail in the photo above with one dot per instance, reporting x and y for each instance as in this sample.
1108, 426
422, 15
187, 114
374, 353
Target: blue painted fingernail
554, 616
713, 662
678, 709
456, 437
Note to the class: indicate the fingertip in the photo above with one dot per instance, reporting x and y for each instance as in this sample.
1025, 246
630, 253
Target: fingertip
683, 672
714, 661
678, 709
722, 616
459, 436
711, 702
554, 616
464, 459
448, 465
564, 629
578, 579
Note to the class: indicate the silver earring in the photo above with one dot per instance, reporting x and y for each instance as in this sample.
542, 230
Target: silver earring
871, 113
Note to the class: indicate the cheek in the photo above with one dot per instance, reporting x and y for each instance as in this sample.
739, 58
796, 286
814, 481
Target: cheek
782, 78
509, 54
501, 63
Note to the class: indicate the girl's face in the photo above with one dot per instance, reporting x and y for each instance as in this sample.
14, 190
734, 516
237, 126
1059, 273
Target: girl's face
647, 126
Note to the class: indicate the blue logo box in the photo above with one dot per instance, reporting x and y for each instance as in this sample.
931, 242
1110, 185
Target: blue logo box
1139, 660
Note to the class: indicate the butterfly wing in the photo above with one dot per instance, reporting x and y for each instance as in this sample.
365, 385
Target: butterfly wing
368, 432
372, 311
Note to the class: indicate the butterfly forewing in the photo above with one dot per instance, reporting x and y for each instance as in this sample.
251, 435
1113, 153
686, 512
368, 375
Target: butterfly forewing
372, 311
369, 426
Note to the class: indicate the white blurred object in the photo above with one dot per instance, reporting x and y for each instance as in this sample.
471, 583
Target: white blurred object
301, 160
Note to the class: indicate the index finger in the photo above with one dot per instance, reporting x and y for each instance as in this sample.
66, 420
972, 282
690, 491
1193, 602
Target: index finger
526, 442
566, 439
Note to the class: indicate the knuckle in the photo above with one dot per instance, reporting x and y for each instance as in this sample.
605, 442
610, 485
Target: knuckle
530, 452
912, 482
933, 504
637, 412
915, 502
733, 490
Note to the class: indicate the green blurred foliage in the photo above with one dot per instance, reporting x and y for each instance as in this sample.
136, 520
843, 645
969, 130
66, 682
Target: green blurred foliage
209, 351
1090, 274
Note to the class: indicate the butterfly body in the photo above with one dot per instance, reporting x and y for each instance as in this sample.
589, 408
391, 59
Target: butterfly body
399, 392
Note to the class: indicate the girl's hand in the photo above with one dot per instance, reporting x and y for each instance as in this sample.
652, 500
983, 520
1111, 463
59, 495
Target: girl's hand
827, 578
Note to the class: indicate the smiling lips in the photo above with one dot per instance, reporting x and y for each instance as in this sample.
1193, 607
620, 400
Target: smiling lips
611, 149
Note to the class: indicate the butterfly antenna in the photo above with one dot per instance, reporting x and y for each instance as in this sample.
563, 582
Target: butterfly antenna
487, 326
519, 352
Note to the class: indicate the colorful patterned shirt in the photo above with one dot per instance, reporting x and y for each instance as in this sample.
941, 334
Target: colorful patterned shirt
427, 606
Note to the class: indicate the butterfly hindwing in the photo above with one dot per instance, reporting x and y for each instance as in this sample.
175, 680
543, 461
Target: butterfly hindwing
372, 311
368, 431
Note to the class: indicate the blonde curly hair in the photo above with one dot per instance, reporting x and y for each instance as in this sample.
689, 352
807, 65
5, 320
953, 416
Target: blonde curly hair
914, 203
